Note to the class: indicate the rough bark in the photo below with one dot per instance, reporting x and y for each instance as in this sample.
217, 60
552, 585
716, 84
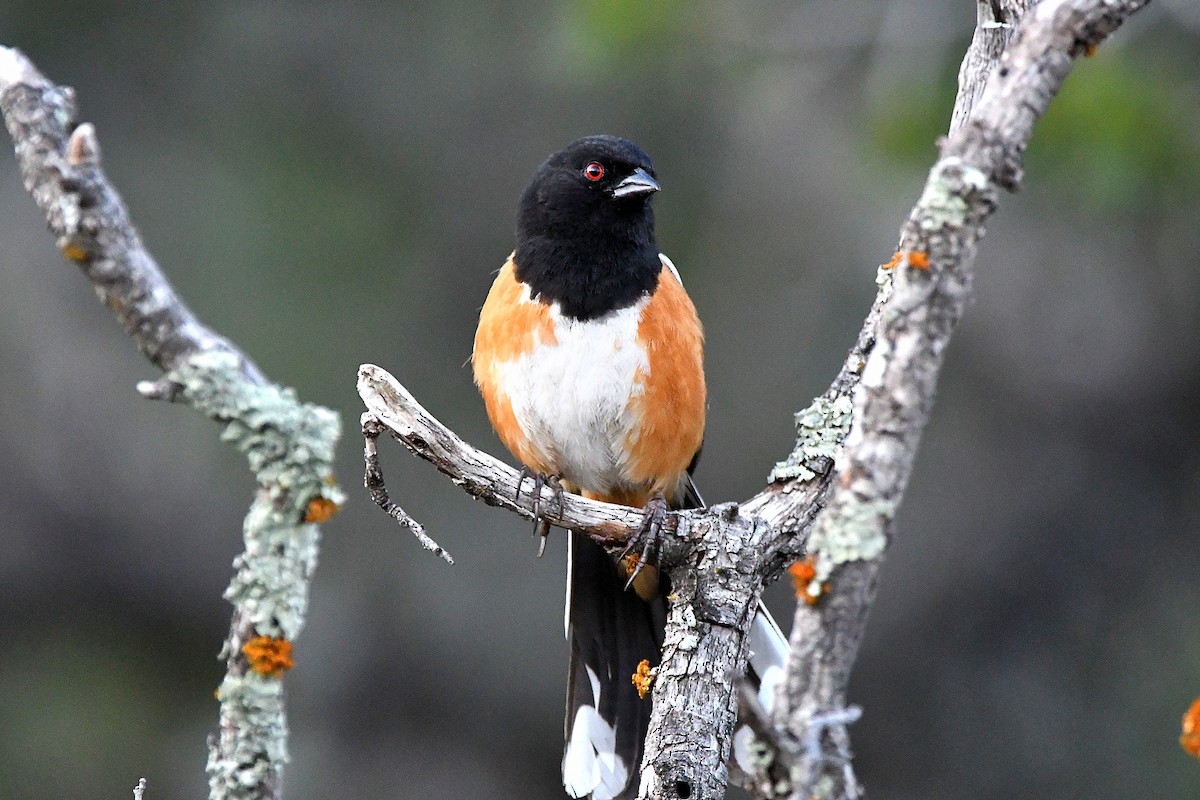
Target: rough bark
289, 444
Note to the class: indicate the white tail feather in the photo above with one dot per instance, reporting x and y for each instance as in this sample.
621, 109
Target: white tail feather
590, 767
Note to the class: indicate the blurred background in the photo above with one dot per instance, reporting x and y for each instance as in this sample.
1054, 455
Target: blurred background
329, 185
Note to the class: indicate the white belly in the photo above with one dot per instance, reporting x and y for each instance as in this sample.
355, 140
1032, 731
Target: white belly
572, 398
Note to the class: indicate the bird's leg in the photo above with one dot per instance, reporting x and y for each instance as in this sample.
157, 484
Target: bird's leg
646, 536
541, 527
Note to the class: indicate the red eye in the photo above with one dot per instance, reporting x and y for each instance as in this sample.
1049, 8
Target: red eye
593, 171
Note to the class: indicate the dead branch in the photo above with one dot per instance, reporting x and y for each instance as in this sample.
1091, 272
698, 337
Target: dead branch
483, 476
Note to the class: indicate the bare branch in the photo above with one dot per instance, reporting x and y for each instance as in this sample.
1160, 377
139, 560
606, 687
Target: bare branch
371, 429
798, 486
479, 474
289, 445
995, 22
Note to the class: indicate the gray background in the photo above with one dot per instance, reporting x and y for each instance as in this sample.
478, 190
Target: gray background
329, 185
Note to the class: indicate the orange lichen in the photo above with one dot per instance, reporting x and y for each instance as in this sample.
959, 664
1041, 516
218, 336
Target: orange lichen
643, 678
803, 574
1189, 740
320, 509
269, 657
917, 259
74, 252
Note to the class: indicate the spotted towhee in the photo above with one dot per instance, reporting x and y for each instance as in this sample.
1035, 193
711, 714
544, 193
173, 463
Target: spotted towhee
589, 356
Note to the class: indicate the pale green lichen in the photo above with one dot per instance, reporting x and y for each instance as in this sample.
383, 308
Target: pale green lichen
884, 280
940, 206
290, 448
851, 531
942, 203
254, 730
820, 430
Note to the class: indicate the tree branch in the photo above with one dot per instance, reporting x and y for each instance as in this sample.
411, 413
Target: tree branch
928, 291
289, 445
798, 486
373, 479
480, 475
715, 561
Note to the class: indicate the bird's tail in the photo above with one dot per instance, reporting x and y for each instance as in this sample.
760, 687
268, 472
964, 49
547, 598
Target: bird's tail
611, 631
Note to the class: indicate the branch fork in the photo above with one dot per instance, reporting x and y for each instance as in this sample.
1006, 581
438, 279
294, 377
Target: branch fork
716, 558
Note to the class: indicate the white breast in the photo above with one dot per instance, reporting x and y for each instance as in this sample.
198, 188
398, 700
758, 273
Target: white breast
572, 398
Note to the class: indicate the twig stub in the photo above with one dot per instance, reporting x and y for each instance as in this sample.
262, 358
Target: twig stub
373, 479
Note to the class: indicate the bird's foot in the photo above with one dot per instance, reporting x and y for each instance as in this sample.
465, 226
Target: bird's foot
645, 539
541, 526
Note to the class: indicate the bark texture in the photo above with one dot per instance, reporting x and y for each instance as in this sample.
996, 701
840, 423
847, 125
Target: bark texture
288, 444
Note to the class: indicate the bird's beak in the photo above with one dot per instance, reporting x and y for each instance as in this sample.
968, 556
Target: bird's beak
640, 182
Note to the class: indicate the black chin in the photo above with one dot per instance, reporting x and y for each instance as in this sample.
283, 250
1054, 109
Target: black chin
591, 254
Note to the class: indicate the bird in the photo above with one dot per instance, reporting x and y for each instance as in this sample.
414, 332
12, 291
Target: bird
589, 358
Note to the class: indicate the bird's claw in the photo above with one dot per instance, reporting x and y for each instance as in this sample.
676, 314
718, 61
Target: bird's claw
646, 537
541, 527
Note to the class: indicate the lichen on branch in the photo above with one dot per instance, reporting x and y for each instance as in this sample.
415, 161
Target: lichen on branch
289, 445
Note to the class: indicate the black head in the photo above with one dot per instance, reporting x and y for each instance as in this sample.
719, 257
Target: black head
585, 231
